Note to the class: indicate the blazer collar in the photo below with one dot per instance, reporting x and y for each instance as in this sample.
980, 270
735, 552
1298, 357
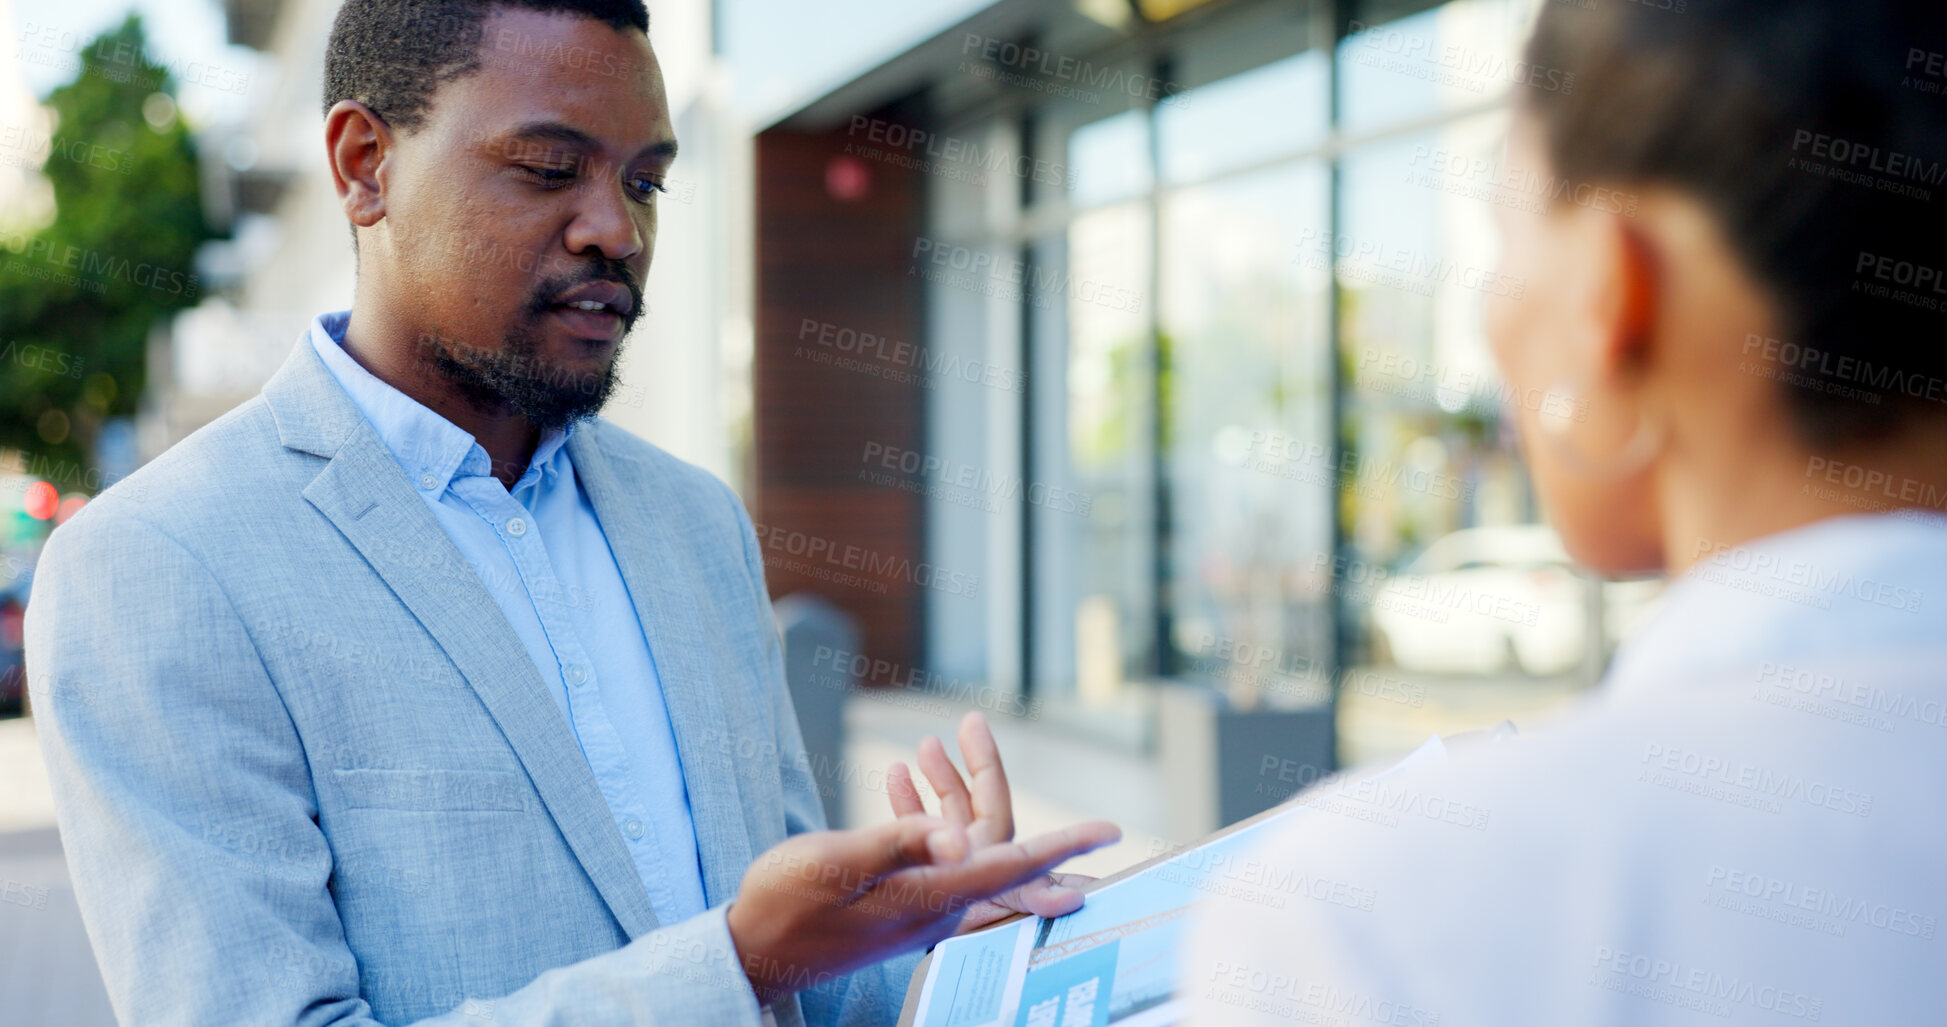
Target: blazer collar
422, 441
313, 414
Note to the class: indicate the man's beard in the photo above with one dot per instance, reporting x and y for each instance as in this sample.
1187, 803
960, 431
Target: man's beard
515, 377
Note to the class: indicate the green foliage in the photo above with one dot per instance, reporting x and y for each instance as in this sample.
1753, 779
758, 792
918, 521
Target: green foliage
78, 299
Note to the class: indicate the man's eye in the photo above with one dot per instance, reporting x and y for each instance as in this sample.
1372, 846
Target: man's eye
549, 176
647, 187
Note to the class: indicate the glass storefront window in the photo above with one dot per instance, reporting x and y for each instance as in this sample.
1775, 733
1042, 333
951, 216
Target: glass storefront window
1433, 473
1107, 614
1222, 126
1445, 59
1109, 159
1217, 277
1453, 590
1249, 397
973, 340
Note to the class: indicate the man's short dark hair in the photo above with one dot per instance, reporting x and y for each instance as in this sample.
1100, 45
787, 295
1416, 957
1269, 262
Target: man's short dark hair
390, 55
1815, 132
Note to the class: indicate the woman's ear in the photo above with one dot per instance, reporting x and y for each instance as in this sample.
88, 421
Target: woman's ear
1641, 275
1593, 459
1629, 294
357, 144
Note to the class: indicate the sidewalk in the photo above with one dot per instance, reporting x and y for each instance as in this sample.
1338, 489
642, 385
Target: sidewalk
24, 800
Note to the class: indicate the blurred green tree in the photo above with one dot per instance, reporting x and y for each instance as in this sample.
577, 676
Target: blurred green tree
79, 298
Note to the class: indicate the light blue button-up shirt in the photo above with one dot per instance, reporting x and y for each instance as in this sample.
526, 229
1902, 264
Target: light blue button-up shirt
542, 555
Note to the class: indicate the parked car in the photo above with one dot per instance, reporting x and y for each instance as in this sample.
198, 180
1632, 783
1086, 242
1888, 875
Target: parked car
1495, 600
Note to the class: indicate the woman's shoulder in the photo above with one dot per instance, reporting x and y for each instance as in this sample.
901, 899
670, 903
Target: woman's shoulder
1706, 829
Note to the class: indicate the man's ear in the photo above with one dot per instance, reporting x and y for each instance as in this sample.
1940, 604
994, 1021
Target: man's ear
357, 144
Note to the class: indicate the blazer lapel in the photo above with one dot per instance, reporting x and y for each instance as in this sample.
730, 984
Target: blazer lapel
365, 494
663, 584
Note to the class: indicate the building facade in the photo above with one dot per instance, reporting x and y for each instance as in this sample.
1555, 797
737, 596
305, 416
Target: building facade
1108, 346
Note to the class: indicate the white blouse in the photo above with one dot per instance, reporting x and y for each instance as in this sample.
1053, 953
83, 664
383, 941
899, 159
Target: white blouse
1744, 825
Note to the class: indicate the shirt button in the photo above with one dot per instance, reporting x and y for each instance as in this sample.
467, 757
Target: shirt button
633, 828
517, 527
428, 482
576, 675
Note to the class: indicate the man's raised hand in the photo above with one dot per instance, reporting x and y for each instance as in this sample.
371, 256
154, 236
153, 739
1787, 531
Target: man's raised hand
985, 810
825, 903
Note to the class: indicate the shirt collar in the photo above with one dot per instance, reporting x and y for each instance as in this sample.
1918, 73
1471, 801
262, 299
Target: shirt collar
1841, 588
431, 449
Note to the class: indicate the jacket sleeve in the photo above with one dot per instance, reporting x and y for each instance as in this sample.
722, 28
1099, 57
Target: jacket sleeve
874, 995
176, 770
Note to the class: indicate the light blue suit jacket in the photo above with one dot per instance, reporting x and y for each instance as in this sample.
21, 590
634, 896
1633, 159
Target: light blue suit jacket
306, 773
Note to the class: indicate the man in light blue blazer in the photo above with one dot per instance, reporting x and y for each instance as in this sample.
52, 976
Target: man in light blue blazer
408, 692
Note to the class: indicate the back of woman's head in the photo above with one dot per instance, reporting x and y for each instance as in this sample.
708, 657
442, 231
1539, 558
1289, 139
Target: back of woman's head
1815, 132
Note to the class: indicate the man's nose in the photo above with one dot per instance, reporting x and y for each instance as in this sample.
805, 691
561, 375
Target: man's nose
605, 222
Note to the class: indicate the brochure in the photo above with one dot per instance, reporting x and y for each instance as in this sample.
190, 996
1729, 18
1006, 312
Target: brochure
1114, 961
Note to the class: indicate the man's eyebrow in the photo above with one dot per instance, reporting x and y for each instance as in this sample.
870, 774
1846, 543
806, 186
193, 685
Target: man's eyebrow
555, 131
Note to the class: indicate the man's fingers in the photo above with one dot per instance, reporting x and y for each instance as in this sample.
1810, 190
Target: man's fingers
993, 804
1050, 850
997, 868
1049, 895
856, 857
955, 803
903, 794
1072, 840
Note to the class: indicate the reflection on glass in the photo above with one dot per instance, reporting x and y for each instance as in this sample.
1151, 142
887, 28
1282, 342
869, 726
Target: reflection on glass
1221, 126
1109, 159
1442, 574
1447, 58
1108, 429
1446, 573
1249, 397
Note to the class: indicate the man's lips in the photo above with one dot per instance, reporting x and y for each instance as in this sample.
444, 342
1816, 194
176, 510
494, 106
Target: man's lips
594, 310
612, 295
589, 324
